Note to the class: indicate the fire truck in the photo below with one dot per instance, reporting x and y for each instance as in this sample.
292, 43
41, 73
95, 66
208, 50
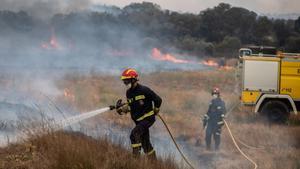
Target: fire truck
270, 82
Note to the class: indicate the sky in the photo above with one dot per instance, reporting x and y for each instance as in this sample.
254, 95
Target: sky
194, 6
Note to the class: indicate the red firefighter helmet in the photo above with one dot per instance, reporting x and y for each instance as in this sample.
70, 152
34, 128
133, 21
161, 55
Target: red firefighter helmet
216, 91
129, 74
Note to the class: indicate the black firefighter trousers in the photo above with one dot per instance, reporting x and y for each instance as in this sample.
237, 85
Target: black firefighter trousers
215, 131
140, 137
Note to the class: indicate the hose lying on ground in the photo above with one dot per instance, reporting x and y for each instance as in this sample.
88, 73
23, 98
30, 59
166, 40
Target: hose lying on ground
174, 141
238, 140
234, 140
248, 146
237, 146
231, 135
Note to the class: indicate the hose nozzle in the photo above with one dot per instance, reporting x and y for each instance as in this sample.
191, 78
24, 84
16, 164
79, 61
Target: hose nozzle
118, 105
112, 107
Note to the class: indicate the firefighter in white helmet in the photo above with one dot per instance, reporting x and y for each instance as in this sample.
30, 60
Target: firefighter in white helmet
213, 119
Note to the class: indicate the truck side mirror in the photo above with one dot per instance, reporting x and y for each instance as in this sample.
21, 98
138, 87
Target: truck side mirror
245, 52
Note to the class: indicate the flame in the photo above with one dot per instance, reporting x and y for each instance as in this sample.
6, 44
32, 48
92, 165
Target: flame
68, 94
226, 68
45, 46
213, 63
157, 55
53, 43
210, 63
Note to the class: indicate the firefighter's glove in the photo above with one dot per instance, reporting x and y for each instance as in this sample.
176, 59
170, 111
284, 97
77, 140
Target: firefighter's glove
122, 108
119, 105
119, 111
156, 110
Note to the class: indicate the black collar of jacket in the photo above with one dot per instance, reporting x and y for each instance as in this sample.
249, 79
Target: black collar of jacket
136, 87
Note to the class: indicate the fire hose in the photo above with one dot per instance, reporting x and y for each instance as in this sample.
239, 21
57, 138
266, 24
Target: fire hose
171, 135
237, 146
248, 146
234, 140
230, 133
75, 119
175, 143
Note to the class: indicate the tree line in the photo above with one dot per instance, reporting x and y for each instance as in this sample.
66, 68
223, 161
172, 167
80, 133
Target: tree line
219, 31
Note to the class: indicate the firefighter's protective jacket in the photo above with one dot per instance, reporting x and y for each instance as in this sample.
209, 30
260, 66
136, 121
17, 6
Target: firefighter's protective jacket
215, 114
140, 100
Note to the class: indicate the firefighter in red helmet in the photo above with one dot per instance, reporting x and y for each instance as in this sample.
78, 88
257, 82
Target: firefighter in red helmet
143, 104
213, 119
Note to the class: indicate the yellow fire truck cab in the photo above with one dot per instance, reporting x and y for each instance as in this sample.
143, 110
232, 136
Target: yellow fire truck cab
270, 82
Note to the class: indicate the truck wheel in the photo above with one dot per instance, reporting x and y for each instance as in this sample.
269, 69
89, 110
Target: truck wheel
276, 111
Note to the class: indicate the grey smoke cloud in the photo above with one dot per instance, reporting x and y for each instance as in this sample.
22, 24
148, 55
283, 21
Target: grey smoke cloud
260, 6
85, 46
44, 8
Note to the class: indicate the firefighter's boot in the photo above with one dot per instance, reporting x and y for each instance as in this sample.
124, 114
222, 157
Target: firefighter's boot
152, 155
208, 147
136, 151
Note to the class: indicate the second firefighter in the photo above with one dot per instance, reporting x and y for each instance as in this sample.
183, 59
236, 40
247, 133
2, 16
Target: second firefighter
213, 119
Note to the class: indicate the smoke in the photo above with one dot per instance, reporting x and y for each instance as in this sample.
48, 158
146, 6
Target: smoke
39, 47
44, 8
81, 47
68, 37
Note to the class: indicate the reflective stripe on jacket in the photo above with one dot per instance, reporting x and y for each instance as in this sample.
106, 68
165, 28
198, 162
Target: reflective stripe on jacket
141, 100
216, 112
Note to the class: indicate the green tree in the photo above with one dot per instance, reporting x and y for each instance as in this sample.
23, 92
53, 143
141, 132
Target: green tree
263, 31
293, 44
212, 24
239, 22
228, 47
297, 25
195, 46
281, 31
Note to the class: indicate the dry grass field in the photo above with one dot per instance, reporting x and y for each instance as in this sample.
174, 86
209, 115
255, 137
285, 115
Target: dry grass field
185, 100
62, 150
